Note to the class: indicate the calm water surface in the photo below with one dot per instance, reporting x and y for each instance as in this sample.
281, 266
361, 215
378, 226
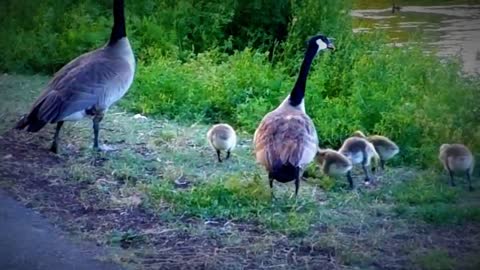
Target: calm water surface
452, 29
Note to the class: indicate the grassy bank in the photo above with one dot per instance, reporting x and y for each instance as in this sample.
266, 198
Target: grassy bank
222, 214
214, 75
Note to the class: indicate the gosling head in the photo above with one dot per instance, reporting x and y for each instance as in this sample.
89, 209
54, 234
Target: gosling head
444, 146
320, 156
359, 134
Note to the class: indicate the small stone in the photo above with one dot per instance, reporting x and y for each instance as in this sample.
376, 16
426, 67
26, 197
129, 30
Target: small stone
139, 116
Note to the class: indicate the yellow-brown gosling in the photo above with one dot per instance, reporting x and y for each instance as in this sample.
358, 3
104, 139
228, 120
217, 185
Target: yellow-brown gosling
457, 158
332, 162
358, 151
385, 147
222, 137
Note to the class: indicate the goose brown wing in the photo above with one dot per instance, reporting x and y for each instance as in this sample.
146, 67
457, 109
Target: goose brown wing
284, 138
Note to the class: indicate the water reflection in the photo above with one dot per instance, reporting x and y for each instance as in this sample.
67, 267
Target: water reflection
450, 29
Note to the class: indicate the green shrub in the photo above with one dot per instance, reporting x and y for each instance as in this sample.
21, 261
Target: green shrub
202, 61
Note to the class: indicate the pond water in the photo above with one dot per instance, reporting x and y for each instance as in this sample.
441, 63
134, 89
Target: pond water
448, 29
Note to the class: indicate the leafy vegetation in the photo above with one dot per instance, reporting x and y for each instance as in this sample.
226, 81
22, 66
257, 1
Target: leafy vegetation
202, 61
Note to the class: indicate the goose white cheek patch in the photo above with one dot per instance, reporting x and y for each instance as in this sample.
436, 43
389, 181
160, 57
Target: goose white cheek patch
321, 45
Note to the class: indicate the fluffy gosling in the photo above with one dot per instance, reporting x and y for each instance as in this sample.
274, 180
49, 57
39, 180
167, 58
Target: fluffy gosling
358, 151
332, 162
222, 137
385, 147
457, 158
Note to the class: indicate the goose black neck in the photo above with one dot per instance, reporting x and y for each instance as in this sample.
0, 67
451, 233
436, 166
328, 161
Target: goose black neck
298, 91
118, 29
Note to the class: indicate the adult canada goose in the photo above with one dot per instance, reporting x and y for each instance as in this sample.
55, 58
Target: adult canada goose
385, 147
457, 158
286, 139
359, 151
222, 137
332, 162
87, 86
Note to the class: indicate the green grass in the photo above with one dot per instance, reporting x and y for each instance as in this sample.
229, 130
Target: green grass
406, 209
426, 189
435, 260
203, 69
441, 214
239, 197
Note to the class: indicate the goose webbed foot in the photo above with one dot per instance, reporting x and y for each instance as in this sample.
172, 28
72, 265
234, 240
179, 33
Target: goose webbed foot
105, 148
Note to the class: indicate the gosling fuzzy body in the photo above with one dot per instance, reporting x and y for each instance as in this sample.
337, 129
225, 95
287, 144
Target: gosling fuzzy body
457, 158
332, 162
222, 137
359, 151
385, 147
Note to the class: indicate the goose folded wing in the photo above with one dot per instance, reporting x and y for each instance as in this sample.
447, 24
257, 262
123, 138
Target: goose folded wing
283, 139
82, 87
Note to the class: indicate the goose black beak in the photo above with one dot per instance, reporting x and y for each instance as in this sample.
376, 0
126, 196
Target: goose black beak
331, 46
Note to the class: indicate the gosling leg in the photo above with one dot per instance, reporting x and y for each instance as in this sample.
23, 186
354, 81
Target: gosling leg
350, 180
382, 164
218, 156
452, 182
469, 178
365, 170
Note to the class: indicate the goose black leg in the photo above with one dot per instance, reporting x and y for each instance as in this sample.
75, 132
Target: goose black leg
54, 147
228, 154
270, 179
297, 185
218, 156
469, 178
96, 129
350, 180
382, 164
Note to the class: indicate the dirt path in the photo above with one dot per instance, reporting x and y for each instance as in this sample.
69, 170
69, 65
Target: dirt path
28, 241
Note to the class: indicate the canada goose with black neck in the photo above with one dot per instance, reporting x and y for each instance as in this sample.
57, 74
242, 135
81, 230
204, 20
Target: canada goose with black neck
87, 86
286, 140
